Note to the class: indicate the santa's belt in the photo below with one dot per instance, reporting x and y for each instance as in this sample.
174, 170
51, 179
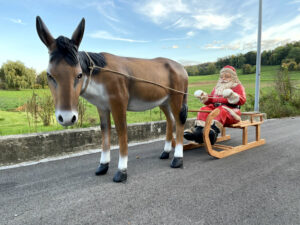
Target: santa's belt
217, 104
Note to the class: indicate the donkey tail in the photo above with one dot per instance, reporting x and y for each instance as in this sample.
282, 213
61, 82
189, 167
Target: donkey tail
184, 109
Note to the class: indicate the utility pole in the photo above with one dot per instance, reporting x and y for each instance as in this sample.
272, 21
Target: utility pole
258, 59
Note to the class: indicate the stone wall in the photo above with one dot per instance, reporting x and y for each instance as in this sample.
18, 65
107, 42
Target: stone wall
20, 148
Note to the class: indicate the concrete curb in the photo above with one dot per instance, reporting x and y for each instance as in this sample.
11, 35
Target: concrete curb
20, 148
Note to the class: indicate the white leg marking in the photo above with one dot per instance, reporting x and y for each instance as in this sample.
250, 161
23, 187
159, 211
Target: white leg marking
122, 162
168, 146
178, 151
105, 157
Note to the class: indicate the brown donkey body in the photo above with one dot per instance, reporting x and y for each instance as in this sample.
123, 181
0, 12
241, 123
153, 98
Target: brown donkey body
69, 76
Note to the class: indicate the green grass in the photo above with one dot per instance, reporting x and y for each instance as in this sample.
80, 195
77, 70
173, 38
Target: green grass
12, 122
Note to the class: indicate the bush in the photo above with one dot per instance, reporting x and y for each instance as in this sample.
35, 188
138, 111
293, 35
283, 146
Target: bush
248, 69
249, 105
40, 107
37, 86
46, 109
289, 64
81, 112
283, 100
3, 86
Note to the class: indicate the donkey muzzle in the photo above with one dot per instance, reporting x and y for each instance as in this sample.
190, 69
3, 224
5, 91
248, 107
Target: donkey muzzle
66, 118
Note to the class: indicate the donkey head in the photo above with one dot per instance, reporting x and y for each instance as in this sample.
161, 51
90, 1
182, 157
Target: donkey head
64, 71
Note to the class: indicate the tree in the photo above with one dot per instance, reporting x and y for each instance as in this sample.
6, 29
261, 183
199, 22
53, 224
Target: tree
265, 57
250, 58
16, 75
294, 53
192, 70
42, 80
211, 68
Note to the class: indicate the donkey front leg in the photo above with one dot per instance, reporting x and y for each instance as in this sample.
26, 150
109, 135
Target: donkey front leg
105, 125
119, 115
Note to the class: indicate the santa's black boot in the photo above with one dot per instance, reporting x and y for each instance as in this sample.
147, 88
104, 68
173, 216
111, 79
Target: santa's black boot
213, 134
194, 134
189, 135
198, 132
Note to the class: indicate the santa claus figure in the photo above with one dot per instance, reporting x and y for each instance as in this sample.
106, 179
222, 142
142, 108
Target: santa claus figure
228, 95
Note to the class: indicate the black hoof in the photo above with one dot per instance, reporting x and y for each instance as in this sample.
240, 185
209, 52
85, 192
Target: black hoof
177, 162
120, 176
164, 155
102, 169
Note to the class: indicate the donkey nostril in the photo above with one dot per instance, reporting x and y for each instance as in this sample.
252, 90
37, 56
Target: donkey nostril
73, 119
60, 119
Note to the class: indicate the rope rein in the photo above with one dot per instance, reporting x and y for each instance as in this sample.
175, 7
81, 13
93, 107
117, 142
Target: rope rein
93, 66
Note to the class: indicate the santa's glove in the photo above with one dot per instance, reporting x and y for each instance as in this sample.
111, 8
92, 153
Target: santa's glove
231, 96
203, 96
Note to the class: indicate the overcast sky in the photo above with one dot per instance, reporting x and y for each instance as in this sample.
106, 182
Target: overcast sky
188, 31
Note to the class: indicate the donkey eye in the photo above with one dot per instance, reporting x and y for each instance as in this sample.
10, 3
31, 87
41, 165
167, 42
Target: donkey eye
79, 76
50, 77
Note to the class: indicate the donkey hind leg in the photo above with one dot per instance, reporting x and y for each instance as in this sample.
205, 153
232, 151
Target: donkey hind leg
169, 132
105, 125
119, 115
178, 107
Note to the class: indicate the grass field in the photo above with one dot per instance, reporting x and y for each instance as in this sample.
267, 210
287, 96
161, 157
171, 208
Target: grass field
14, 122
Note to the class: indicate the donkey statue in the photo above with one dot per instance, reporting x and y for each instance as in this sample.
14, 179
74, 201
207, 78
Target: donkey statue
72, 73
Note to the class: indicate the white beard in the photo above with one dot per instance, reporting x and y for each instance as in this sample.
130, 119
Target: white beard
220, 87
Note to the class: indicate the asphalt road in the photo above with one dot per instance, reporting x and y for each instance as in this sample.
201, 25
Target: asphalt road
259, 186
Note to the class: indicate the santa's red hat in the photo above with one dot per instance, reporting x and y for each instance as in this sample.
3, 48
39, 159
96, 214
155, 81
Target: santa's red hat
229, 69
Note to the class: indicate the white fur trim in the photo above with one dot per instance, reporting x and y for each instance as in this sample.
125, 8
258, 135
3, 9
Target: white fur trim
200, 123
178, 151
234, 98
229, 71
218, 124
168, 146
233, 113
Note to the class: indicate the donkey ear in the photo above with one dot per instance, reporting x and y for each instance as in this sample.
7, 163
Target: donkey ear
43, 32
78, 33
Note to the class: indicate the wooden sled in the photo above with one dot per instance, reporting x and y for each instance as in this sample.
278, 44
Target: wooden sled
225, 149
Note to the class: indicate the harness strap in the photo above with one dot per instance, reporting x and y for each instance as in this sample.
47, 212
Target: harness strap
91, 67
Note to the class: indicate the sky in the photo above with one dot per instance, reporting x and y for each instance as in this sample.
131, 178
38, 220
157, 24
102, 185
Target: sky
187, 31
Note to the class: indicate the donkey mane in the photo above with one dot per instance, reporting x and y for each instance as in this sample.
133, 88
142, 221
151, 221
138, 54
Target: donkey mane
98, 59
67, 50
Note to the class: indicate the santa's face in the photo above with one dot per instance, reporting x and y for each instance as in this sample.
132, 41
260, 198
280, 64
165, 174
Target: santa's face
226, 77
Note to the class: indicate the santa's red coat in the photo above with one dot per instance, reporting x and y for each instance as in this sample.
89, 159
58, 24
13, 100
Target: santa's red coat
228, 114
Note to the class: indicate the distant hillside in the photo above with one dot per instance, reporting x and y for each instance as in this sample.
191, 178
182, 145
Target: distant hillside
288, 54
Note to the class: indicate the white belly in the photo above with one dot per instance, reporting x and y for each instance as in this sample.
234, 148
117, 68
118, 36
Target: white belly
137, 105
97, 95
